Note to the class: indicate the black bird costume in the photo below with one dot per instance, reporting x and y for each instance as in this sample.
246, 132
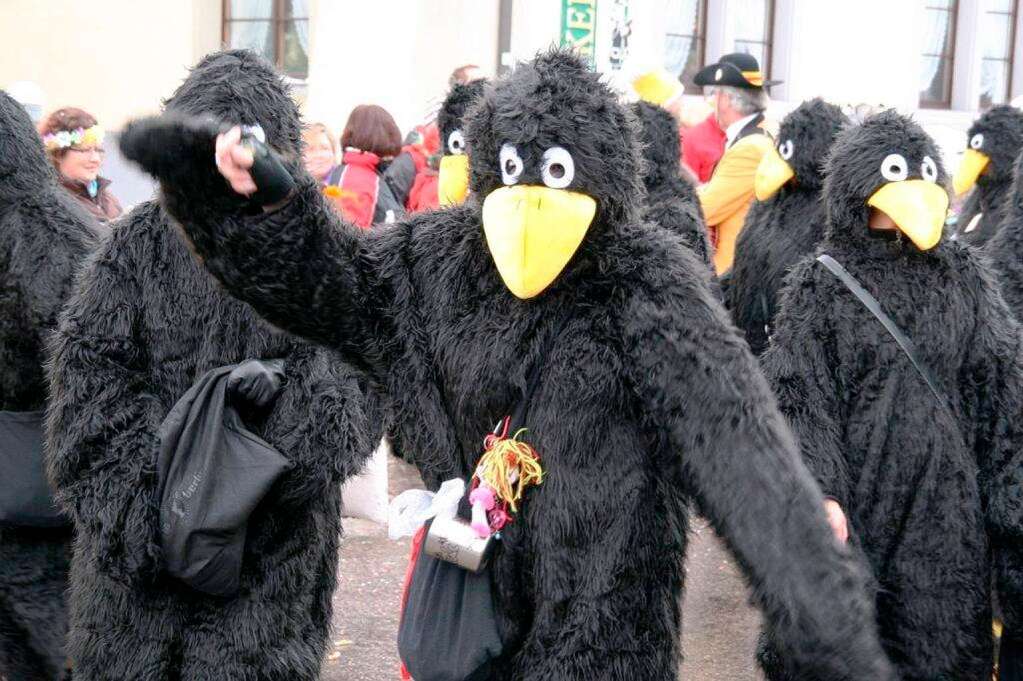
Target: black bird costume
44, 237
671, 201
646, 400
787, 220
144, 324
930, 491
453, 180
993, 142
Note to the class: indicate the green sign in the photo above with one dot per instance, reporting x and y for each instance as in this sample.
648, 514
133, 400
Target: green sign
579, 26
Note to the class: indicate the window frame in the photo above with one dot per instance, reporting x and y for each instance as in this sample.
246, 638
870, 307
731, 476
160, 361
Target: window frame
277, 21
1009, 59
768, 42
701, 36
951, 57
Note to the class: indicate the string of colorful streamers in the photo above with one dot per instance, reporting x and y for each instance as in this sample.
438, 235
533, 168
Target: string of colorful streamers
504, 456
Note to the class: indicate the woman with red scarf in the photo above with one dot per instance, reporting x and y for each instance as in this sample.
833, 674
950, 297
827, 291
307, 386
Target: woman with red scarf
371, 139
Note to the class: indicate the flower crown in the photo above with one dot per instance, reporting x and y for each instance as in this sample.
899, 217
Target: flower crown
68, 138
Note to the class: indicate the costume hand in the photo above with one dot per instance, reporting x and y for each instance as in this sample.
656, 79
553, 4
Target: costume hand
836, 518
234, 161
257, 383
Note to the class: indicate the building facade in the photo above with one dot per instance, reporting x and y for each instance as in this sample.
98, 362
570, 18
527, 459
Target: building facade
943, 59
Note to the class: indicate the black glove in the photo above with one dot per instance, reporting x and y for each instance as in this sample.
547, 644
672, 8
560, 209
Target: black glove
273, 181
256, 383
180, 152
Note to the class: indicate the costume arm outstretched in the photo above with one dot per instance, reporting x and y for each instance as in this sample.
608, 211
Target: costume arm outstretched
299, 265
729, 446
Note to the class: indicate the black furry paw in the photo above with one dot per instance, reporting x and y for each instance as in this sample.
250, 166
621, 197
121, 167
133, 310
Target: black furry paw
169, 146
179, 151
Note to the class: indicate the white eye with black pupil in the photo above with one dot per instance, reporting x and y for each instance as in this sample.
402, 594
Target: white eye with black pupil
977, 141
511, 164
929, 169
557, 168
456, 142
785, 150
894, 168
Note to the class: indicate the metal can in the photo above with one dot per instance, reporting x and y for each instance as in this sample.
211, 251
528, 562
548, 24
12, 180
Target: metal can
453, 540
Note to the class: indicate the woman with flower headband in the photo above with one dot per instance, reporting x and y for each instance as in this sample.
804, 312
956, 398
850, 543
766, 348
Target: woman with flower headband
74, 143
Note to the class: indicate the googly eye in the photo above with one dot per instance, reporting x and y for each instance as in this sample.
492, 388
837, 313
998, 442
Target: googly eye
558, 168
929, 169
456, 142
256, 131
785, 150
894, 168
511, 164
977, 141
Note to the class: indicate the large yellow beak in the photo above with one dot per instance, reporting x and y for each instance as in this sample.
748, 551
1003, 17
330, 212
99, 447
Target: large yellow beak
971, 166
918, 207
772, 174
532, 232
453, 179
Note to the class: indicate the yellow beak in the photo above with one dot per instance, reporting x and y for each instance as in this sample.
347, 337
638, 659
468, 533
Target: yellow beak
453, 179
533, 232
918, 207
772, 174
970, 168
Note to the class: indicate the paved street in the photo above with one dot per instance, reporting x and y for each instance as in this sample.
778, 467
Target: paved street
720, 628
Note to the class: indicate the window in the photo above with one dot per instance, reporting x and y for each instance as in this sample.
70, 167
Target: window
685, 40
938, 57
998, 26
277, 29
753, 28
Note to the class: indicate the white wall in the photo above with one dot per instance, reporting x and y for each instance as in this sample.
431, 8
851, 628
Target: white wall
116, 59
395, 53
861, 59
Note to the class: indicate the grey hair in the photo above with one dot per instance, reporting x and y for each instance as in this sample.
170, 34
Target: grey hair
745, 100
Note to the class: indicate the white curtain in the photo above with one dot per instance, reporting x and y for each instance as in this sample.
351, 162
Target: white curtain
680, 18
300, 8
255, 35
749, 21
935, 28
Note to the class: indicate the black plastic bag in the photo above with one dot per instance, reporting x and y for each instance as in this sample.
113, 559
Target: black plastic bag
448, 630
213, 473
1010, 658
26, 499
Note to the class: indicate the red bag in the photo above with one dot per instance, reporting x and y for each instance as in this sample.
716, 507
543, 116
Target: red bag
417, 545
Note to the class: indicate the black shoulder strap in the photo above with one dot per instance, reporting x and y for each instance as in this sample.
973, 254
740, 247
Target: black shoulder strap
870, 302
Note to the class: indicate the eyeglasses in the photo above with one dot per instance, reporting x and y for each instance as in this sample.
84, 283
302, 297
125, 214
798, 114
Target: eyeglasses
88, 150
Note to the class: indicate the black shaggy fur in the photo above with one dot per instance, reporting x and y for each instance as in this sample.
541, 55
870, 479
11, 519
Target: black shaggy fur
671, 201
44, 236
452, 111
1002, 127
927, 492
778, 232
146, 322
648, 399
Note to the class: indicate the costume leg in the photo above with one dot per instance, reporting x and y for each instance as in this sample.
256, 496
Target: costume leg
33, 610
122, 632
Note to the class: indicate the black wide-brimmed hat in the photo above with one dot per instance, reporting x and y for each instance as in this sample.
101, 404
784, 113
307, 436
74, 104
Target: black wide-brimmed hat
736, 70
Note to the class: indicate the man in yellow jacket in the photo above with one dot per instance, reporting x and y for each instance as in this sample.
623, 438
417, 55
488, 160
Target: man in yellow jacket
740, 99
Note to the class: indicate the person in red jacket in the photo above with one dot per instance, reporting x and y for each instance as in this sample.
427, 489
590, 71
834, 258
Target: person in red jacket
702, 147
370, 140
